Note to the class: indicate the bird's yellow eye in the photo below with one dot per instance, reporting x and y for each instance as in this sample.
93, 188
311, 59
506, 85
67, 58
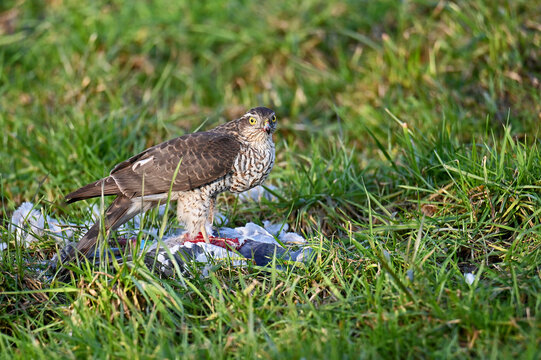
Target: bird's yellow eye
273, 118
252, 120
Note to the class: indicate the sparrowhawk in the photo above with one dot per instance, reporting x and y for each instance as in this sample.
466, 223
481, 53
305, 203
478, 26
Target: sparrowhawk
192, 169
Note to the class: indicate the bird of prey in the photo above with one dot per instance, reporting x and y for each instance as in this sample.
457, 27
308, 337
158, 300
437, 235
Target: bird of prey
192, 170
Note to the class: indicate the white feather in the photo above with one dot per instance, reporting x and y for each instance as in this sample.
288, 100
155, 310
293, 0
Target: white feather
141, 163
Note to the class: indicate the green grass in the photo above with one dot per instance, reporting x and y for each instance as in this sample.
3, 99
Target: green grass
407, 154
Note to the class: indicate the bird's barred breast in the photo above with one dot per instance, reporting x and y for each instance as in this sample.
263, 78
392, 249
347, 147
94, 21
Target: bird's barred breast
251, 167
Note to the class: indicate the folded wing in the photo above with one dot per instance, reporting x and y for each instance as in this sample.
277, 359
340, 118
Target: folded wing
203, 158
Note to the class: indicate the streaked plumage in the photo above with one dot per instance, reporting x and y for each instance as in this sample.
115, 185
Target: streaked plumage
235, 156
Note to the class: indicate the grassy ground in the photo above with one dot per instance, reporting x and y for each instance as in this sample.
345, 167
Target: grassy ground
408, 154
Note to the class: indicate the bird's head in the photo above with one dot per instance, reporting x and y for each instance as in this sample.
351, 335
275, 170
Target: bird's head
258, 124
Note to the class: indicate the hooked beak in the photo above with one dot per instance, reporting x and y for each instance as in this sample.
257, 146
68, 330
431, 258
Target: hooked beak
267, 127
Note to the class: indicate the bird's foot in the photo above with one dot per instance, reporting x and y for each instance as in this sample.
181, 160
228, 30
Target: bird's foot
226, 243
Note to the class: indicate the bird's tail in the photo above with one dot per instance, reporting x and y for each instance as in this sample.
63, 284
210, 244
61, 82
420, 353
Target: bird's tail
121, 210
106, 186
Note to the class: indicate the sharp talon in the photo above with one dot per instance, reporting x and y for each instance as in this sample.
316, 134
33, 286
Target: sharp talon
226, 243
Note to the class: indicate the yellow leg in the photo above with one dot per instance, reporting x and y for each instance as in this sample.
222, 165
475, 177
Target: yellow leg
204, 233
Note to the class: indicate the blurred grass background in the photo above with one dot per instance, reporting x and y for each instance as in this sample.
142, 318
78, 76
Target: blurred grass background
398, 120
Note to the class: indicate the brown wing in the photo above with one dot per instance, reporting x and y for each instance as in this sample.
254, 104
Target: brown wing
204, 157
